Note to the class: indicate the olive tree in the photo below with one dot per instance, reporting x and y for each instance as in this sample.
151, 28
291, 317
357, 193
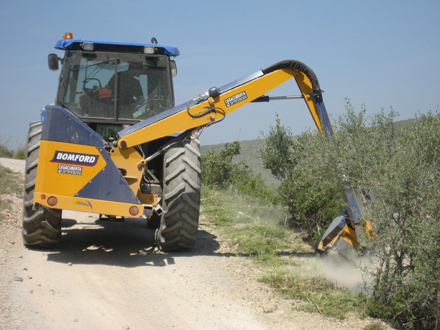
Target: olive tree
401, 171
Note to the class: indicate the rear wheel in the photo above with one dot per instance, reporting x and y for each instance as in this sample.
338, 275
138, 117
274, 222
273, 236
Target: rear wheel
41, 225
181, 197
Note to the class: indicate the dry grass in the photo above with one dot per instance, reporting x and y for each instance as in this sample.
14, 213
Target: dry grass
288, 265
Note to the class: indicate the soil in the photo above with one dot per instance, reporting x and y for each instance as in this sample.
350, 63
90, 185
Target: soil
110, 275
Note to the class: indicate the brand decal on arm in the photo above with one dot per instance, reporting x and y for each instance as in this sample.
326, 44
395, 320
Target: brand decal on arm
236, 98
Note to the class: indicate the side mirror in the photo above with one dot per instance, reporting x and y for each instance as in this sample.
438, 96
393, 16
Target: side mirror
53, 62
173, 68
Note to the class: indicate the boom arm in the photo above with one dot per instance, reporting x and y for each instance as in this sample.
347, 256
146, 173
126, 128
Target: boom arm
215, 105
229, 98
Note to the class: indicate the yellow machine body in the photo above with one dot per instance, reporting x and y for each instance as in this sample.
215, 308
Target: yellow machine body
61, 176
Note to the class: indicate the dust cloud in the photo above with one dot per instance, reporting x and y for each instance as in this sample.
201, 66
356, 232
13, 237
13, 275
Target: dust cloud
346, 273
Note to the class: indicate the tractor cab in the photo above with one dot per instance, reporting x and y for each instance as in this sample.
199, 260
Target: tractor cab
114, 83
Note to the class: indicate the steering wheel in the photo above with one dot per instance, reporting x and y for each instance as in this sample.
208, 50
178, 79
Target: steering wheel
94, 88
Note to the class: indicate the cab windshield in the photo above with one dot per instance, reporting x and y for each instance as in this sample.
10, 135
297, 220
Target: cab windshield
118, 87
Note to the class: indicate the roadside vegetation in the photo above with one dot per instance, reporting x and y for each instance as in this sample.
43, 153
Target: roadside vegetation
254, 223
5, 152
10, 182
258, 231
397, 165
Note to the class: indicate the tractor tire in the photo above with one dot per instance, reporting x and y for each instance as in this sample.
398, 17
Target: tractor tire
41, 225
181, 197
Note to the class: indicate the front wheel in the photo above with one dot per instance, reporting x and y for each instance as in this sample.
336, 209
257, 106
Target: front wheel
41, 225
181, 197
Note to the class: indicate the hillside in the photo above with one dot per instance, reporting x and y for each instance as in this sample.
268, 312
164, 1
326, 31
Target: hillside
250, 155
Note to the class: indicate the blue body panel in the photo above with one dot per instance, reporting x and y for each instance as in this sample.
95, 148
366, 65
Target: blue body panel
353, 209
62, 126
325, 120
109, 184
337, 225
66, 44
241, 81
42, 115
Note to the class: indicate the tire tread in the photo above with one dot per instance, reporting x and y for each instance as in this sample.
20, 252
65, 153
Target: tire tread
41, 225
181, 197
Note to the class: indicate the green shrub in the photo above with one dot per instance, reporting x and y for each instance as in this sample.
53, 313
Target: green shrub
299, 162
406, 216
374, 326
219, 170
20, 153
254, 185
277, 153
4, 151
9, 181
401, 170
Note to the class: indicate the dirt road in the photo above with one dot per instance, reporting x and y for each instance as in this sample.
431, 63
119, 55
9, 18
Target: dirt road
110, 276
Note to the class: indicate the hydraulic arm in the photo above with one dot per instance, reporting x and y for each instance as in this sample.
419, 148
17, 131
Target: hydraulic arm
218, 102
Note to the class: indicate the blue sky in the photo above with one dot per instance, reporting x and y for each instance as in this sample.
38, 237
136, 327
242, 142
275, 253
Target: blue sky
383, 53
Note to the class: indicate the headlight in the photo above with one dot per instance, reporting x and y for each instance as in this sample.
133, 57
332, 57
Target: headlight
88, 46
148, 50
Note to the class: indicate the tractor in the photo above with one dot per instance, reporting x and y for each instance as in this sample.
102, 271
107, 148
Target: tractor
114, 143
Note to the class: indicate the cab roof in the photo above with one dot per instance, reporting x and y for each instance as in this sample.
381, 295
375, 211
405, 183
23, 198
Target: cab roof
116, 46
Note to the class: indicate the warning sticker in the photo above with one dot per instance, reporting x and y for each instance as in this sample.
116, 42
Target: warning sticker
235, 99
68, 169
